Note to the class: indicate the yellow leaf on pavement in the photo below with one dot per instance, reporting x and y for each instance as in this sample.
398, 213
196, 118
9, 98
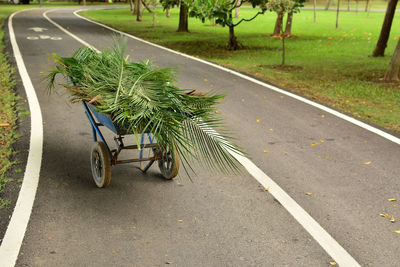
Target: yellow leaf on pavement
392, 199
205, 79
308, 193
332, 263
397, 231
180, 221
392, 219
367, 163
265, 151
257, 120
266, 189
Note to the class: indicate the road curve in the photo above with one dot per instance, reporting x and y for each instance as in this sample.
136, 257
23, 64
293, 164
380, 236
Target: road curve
141, 220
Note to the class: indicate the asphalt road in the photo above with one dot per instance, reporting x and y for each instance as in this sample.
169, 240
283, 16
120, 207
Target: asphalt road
143, 220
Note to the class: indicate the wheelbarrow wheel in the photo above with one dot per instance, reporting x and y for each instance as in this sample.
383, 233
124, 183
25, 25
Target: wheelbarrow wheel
169, 164
101, 164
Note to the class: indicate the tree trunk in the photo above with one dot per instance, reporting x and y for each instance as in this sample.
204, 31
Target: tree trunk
183, 18
146, 6
233, 43
131, 4
393, 71
385, 32
366, 6
315, 11
283, 47
356, 7
288, 28
134, 11
237, 9
138, 11
84, 2
278, 25
328, 2
337, 14
168, 12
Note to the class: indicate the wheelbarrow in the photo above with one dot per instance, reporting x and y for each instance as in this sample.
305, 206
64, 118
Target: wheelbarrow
102, 157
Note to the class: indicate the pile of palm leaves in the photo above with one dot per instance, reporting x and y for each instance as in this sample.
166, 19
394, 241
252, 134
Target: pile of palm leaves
142, 98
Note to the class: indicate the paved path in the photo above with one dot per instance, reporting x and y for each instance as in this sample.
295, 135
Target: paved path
226, 221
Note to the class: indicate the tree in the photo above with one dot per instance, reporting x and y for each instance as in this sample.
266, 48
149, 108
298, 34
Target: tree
393, 71
183, 12
328, 2
337, 14
283, 7
222, 11
288, 27
183, 18
385, 32
278, 25
138, 10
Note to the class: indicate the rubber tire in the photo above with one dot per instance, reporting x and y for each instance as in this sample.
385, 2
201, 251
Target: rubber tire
104, 178
173, 171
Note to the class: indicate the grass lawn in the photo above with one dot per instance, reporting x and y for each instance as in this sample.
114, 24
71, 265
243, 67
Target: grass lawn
329, 65
8, 99
353, 4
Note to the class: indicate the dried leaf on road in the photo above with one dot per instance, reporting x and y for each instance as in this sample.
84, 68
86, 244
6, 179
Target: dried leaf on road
205, 79
4, 124
367, 163
180, 221
392, 219
257, 120
308, 193
266, 151
267, 188
332, 263
397, 231
392, 199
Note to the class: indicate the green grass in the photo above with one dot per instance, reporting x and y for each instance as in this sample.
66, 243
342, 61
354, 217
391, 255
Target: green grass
329, 65
9, 109
373, 4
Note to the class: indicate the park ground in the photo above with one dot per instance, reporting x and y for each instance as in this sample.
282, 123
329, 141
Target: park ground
329, 65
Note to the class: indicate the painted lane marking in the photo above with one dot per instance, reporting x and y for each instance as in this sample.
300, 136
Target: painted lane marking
327, 242
271, 87
14, 236
44, 37
37, 29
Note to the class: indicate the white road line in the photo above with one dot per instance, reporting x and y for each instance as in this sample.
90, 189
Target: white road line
327, 242
271, 87
14, 236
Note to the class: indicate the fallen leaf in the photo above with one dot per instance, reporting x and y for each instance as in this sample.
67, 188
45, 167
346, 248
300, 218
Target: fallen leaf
332, 263
180, 221
392, 220
384, 215
282, 96
266, 189
321, 141
271, 129
265, 151
314, 144
327, 157
4, 124
286, 153
257, 120
308, 193
242, 99
395, 206
392, 199
205, 79
397, 231
367, 163
322, 116
168, 262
